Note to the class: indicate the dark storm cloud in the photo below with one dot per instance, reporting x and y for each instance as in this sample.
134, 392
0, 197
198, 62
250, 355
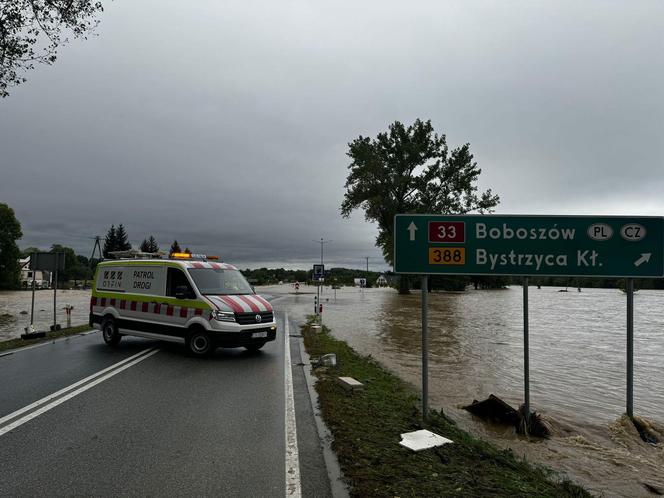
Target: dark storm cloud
225, 126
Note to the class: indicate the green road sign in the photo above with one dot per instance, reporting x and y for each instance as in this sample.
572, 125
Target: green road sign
574, 246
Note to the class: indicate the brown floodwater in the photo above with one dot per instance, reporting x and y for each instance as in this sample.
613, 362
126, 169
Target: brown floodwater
577, 367
12, 303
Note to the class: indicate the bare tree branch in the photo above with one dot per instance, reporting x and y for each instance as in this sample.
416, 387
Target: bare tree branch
31, 31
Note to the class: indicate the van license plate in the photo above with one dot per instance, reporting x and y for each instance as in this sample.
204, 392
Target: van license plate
258, 335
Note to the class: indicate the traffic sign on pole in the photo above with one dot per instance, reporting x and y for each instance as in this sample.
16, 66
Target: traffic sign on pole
319, 272
572, 246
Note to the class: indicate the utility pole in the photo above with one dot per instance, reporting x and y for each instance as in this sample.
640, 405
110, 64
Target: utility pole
94, 248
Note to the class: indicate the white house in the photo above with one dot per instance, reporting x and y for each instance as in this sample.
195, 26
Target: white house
381, 281
42, 278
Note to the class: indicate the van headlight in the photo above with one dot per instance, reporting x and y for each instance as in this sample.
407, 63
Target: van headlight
223, 316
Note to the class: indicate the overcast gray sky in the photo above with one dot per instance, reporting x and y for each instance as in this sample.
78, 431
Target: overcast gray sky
225, 124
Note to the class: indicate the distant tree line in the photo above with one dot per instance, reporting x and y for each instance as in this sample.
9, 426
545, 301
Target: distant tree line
334, 276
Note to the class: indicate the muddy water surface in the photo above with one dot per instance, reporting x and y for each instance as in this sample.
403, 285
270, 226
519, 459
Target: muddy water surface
577, 348
12, 303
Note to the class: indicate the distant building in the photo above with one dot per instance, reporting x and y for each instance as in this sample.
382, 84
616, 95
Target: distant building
42, 278
360, 282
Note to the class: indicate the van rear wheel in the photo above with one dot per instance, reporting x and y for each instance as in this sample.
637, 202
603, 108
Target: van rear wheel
199, 342
109, 331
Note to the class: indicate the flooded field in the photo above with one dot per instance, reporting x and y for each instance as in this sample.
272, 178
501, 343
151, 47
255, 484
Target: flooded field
12, 303
577, 374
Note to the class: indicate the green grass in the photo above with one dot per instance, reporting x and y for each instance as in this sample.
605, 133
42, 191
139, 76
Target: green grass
366, 427
19, 343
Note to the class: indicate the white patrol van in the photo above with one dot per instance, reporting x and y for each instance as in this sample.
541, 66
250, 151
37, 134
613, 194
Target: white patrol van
186, 299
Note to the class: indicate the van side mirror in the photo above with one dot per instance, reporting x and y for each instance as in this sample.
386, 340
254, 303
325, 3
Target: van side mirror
181, 292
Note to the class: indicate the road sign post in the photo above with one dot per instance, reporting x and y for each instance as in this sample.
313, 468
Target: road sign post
519, 245
319, 277
526, 353
425, 348
630, 347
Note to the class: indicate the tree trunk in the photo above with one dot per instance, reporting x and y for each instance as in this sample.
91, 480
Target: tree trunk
404, 284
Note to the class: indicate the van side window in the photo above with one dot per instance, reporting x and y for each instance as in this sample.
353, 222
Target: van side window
176, 278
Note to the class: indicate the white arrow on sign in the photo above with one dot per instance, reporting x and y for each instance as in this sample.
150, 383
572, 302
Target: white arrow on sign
645, 257
412, 229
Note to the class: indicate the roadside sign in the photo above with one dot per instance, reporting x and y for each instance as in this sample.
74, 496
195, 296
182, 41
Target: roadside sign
573, 246
48, 261
319, 272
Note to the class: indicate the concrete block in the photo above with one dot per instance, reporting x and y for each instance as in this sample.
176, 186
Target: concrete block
350, 384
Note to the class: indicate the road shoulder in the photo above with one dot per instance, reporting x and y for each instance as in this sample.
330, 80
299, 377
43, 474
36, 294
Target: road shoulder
319, 469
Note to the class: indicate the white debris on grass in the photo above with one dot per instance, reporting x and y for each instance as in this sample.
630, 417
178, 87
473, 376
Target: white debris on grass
422, 440
350, 384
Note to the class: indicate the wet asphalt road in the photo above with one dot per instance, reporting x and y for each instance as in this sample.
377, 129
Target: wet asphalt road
170, 425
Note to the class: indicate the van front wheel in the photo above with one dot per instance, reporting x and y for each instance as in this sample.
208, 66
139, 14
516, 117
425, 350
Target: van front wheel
109, 331
199, 343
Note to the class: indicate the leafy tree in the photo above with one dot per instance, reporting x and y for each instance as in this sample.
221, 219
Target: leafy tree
29, 250
83, 271
10, 232
175, 247
32, 30
149, 245
116, 240
71, 263
187, 250
110, 241
122, 239
410, 170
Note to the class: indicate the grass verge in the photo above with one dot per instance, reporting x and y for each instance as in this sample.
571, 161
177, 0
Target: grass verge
20, 343
366, 427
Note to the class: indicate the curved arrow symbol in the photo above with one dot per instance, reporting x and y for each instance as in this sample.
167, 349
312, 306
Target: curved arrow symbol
645, 257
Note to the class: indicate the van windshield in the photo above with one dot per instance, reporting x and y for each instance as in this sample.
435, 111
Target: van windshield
212, 281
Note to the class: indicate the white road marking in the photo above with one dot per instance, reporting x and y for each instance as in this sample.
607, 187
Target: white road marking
293, 488
99, 377
47, 343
